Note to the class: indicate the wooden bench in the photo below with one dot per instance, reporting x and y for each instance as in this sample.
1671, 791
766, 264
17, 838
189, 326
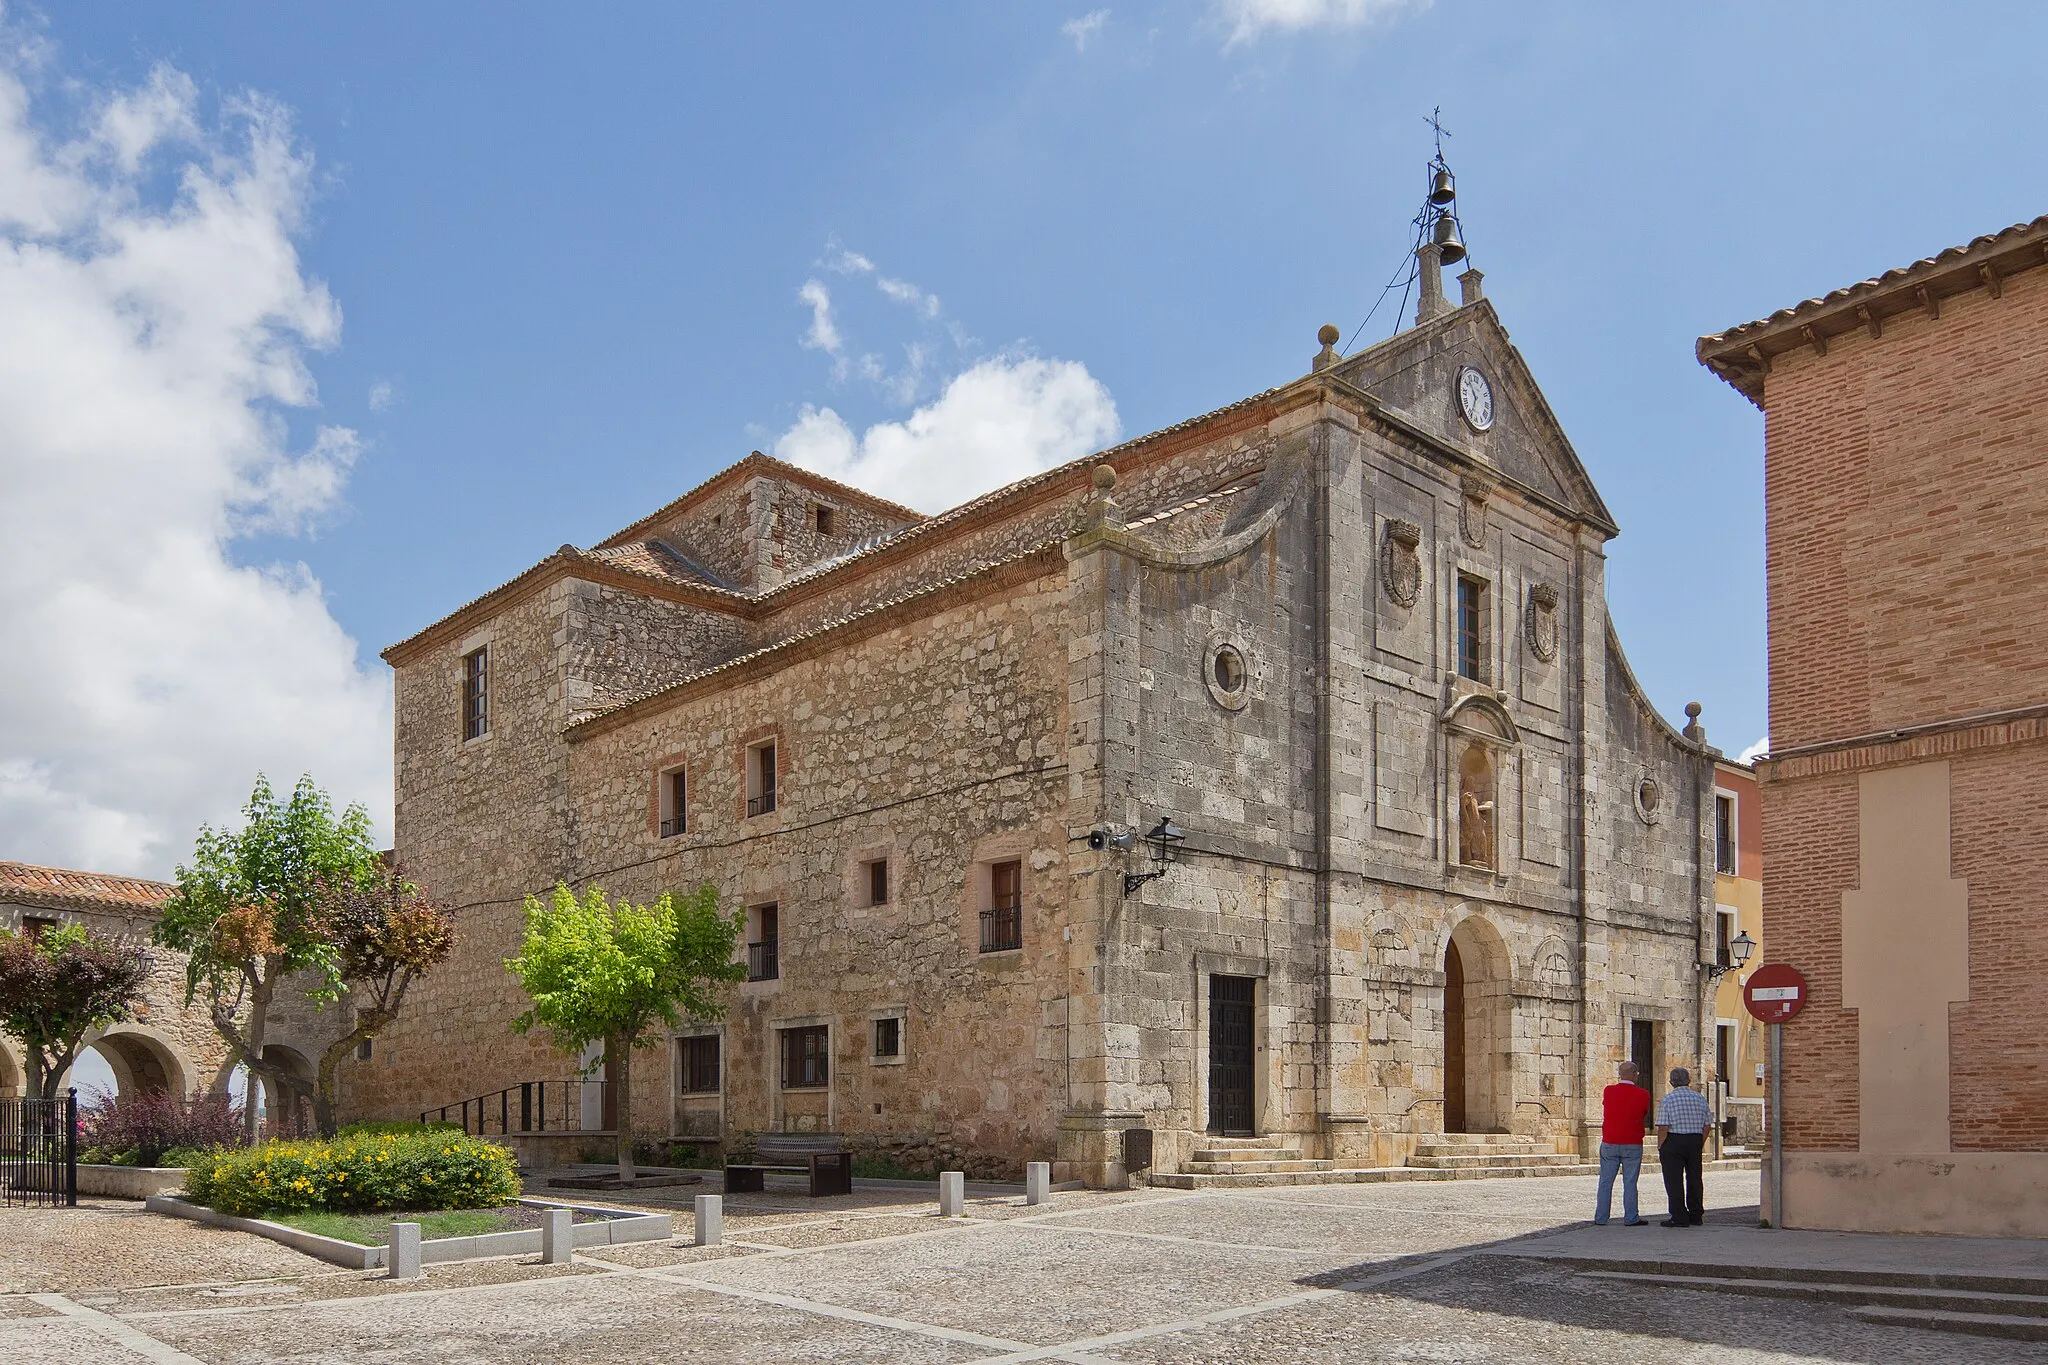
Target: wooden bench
823, 1156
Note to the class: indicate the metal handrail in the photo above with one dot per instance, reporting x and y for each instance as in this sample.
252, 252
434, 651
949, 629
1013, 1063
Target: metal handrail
527, 1102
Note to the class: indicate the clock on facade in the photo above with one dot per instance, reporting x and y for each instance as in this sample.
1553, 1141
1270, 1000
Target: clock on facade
1475, 398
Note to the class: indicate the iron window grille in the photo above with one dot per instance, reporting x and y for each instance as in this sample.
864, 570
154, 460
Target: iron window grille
676, 792
1002, 924
697, 1064
1724, 835
889, 1037
761, 759
805, 1053
476, 693
761, 954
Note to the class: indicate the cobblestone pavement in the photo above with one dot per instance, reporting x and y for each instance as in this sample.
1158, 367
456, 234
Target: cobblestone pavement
1452, 1272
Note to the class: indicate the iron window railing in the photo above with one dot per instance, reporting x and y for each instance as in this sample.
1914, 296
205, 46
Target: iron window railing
1002, 929
762, 804
672, 826
761, 961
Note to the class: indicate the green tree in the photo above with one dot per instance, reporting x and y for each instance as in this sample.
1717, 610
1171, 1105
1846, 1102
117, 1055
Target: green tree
250, 911
388, 935
61, 985
603, 973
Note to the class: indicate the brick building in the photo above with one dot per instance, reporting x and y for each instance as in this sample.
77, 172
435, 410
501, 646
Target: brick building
1905, 799
1443, 862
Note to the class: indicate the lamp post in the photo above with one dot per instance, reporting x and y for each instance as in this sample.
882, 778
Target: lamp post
1739, 950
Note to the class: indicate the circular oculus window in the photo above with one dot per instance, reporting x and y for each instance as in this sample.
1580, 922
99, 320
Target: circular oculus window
1649, 796
1227, 676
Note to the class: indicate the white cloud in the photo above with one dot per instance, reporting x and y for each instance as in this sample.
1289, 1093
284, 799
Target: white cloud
1249, 18
1755, 751
155, 321
904, 292
1003, 419
382, 395
823, 334
1084, 28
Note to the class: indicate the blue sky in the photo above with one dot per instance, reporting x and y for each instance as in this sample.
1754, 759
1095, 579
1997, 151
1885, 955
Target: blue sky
562, 250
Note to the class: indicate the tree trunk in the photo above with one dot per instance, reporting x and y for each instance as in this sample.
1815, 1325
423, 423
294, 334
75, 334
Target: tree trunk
618, 1071
252, 1056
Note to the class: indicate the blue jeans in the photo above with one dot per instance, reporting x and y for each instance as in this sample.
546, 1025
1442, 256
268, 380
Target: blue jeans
1626, 1158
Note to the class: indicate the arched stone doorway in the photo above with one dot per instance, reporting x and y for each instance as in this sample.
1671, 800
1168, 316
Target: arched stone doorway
292, 1111
1478, 1029
13, 1072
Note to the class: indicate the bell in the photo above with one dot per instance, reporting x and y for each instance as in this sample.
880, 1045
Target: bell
1449, 249
1441, 190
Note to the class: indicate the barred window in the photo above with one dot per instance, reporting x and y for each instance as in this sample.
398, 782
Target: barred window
476, 693
697, 1064
804, 1057
889, 1037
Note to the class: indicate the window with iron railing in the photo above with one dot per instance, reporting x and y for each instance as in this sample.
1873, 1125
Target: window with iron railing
761, 952
1002, 924
674, 803
1724, 835
805, 1057
761, 779
697, 1064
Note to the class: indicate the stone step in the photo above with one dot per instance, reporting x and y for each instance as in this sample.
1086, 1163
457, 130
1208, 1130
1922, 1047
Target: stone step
1262, 1140
1463, 1162
1972, 1324
1247, 1154
1374, 1175
1255, 1167
1431, 1147
1483, 1139
1840, 1290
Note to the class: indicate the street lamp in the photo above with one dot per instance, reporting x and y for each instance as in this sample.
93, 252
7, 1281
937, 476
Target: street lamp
1739, 950
1164, 839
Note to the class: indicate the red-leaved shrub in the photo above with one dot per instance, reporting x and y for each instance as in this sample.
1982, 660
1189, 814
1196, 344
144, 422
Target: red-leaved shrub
138, 1128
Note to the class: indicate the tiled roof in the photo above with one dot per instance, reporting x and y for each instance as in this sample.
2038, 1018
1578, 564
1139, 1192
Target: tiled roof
60, 888
755, 463
1741, 355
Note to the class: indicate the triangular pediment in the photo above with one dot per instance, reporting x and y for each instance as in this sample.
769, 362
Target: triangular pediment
1415, 374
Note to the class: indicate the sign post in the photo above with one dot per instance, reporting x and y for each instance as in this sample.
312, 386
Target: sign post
1774, 993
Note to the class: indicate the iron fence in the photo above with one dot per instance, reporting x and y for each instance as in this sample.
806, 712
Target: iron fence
572, 1106
39, 1151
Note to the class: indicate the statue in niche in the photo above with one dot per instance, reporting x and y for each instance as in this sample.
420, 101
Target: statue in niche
1475, 807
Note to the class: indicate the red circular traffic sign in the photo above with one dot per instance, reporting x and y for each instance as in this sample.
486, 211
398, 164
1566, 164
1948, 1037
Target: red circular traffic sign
1774, 992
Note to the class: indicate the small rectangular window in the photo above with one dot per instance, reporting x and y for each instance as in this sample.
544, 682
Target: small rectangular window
805, 1053
363, 1050
824, 520
1724, 834
764, 949
33, 927
1002, 924
761, 778
1472, 629
888, 1037
476, 693
697, 1065
1724, 938
674, 803
878, 882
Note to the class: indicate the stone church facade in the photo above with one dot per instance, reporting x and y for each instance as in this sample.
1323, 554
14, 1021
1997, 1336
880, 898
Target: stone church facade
1443, 864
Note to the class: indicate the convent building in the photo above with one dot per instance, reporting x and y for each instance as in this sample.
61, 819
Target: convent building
1274, 776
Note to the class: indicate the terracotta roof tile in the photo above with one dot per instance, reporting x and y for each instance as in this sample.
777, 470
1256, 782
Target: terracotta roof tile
61, 888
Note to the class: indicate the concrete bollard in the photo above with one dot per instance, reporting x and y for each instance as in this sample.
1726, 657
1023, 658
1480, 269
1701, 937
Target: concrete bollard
1037, 1181
952, 1193
402, 1254
710, 1219
557, 1236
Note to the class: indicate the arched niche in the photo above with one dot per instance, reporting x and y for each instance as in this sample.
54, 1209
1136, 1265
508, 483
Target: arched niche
1480, 734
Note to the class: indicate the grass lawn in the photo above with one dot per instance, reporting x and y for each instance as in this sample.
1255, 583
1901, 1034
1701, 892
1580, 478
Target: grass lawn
374, 1229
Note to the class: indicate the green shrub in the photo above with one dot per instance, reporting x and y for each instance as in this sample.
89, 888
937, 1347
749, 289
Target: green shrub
396, 1128
364, 1172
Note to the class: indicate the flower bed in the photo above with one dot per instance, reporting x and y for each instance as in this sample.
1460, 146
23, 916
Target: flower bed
358, 1172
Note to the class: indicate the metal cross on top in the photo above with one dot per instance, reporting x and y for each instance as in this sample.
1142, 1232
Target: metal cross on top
1436, 126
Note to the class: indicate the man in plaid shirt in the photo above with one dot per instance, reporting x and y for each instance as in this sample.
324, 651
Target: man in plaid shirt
1682, 1119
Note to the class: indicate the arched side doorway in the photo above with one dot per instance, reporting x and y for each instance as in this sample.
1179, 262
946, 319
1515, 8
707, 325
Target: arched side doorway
1478, 1030
140, 1062
13, 1071
291, 1112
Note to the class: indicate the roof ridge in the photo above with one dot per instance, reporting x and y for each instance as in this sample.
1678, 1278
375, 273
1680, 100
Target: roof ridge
755, 460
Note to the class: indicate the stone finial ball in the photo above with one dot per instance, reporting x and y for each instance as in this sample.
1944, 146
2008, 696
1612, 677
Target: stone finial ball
1105, 477
1692, 710
1328, 334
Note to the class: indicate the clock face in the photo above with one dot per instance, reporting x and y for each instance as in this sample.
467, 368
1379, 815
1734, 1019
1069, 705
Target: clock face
1475, 397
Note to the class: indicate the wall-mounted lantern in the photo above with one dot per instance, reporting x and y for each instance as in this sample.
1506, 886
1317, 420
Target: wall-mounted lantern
1164, 839
1739, 949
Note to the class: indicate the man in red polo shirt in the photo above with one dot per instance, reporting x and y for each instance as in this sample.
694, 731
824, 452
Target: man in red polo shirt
1624, 1114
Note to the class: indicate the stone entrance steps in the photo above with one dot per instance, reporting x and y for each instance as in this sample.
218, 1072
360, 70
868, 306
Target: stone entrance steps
1487, 1152
1975, 1305
1257, 1163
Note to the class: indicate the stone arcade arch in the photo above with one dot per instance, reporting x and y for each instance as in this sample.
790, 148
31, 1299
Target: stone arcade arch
1478, 1030
291, 1112
13, 1071
141, 1059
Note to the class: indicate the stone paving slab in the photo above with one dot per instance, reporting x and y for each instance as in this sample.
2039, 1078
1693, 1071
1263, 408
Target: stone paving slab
112, 1242
608, 1319
1503, 1309
1742, 1243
